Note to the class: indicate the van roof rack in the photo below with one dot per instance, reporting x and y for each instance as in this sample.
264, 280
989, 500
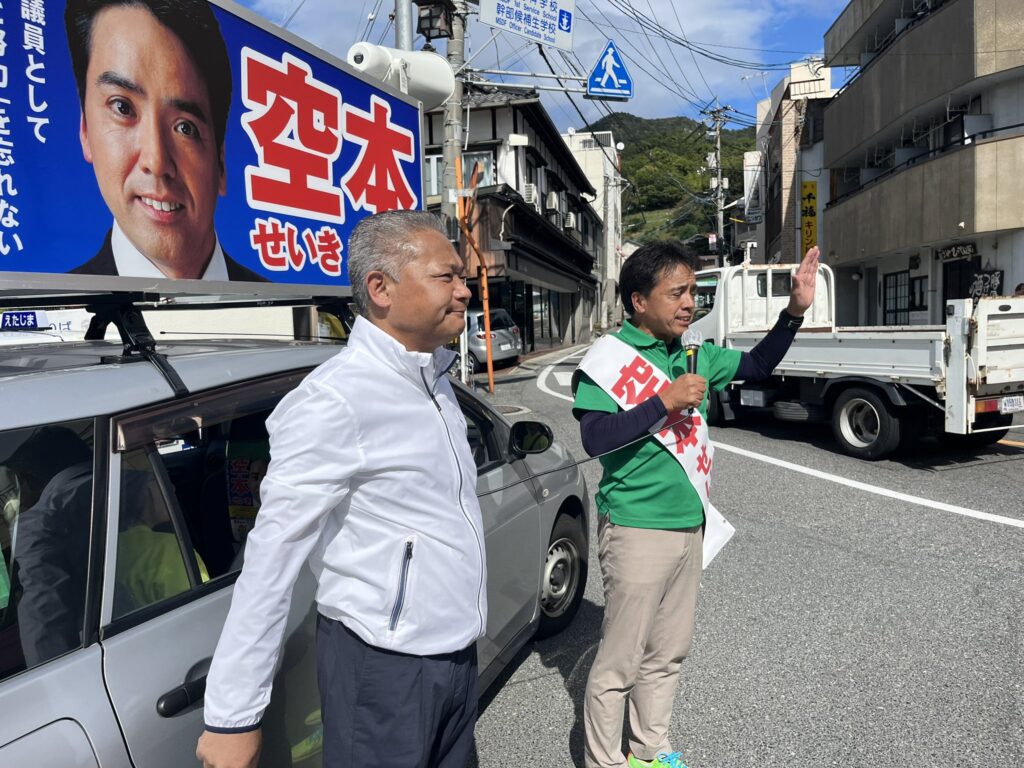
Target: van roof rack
123, 309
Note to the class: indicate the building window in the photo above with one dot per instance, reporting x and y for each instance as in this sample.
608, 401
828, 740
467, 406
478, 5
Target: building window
919, 294
896, 298
486, 161
432, 175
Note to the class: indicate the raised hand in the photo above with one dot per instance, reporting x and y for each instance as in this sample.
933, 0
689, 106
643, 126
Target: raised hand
801, 295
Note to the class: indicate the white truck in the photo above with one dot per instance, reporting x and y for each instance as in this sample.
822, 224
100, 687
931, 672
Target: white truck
881, 387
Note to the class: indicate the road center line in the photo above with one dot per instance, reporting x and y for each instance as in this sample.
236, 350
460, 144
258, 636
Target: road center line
878, 491
939, 505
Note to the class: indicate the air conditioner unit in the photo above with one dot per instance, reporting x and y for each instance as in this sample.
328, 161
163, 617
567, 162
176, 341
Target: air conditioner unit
551, 203
530, 194
569, 222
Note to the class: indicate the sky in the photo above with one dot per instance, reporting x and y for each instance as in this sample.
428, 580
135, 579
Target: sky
669, 79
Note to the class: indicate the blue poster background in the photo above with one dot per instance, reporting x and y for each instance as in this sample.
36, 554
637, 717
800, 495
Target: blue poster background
61, 219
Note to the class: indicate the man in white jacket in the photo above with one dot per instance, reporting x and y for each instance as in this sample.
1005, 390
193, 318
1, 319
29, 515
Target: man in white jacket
372, 481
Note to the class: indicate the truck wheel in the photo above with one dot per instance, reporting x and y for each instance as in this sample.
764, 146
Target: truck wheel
564, 577
864, 425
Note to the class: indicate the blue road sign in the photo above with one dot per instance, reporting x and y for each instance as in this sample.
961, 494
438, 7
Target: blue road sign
609, 78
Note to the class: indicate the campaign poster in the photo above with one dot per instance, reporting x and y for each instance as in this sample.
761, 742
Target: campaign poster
191, 142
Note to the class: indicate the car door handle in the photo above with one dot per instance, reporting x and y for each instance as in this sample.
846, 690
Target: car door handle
186, 694
182, 697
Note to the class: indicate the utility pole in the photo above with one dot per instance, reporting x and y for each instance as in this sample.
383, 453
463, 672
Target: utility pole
403, 25
718, 116
452, 155
451, 181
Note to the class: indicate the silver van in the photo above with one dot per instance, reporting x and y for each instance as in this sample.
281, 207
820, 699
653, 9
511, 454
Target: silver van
128, 484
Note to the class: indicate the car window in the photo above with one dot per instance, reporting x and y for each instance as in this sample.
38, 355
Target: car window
501, 320
480, 435
46, 485
151, 565
190, 495
781, 284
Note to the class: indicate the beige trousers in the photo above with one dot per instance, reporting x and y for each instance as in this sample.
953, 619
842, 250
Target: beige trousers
651, 579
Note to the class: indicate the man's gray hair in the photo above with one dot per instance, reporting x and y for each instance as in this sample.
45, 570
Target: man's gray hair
382, 243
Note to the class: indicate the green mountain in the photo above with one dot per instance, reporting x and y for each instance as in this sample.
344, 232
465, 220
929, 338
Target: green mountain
669, 195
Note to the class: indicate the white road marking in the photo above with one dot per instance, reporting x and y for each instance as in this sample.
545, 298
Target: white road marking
542, 385
877, 490
563, 378
938, 505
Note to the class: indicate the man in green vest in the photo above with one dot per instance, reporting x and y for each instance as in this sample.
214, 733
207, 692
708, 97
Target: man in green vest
651, 496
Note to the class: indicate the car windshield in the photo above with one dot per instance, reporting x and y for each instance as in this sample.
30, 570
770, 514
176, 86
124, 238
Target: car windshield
500, 320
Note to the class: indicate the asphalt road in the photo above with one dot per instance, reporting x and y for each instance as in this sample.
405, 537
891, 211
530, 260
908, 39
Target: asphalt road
864, 613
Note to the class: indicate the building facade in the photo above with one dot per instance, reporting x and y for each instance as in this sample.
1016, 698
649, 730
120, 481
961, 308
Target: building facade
598, 156
785, 188
925, 147
539, 236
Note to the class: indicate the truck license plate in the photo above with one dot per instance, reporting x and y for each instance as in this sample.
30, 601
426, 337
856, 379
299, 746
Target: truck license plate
1011, 404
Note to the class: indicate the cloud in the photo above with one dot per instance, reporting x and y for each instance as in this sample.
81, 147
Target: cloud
669, 80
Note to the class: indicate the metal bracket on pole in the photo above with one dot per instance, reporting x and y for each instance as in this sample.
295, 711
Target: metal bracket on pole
577, 78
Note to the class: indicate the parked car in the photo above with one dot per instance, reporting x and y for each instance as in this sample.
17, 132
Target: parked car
505, 338
126, 490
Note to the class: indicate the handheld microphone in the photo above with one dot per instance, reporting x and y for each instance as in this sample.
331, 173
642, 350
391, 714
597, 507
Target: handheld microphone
691, 343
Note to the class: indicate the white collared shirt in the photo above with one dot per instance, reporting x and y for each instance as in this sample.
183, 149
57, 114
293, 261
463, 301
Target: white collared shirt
131, 262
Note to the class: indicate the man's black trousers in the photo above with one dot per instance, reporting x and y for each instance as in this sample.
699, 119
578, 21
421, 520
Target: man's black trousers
393, 709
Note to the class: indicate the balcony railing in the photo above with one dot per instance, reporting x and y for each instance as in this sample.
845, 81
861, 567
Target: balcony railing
1017, 128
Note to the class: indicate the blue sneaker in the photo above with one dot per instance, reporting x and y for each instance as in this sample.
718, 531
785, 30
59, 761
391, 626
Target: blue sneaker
673, 760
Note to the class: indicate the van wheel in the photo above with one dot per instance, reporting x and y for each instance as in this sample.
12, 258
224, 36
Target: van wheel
564, 577
864, 425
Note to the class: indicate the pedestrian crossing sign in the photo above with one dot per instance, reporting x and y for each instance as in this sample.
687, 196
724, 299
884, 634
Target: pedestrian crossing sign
609, 78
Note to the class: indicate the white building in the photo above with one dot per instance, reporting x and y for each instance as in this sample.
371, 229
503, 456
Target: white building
598, 156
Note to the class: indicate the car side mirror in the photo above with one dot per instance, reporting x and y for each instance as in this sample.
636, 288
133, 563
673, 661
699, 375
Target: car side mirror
529, 437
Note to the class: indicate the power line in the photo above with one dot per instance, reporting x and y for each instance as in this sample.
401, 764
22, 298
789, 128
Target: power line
371, 19
692, 98
660, 80
669, 36
572, 101
694, 58
654, 50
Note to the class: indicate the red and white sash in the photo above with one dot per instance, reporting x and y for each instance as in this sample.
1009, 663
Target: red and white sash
629, 379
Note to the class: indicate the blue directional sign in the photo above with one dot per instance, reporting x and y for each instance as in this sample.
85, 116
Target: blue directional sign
609, 78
